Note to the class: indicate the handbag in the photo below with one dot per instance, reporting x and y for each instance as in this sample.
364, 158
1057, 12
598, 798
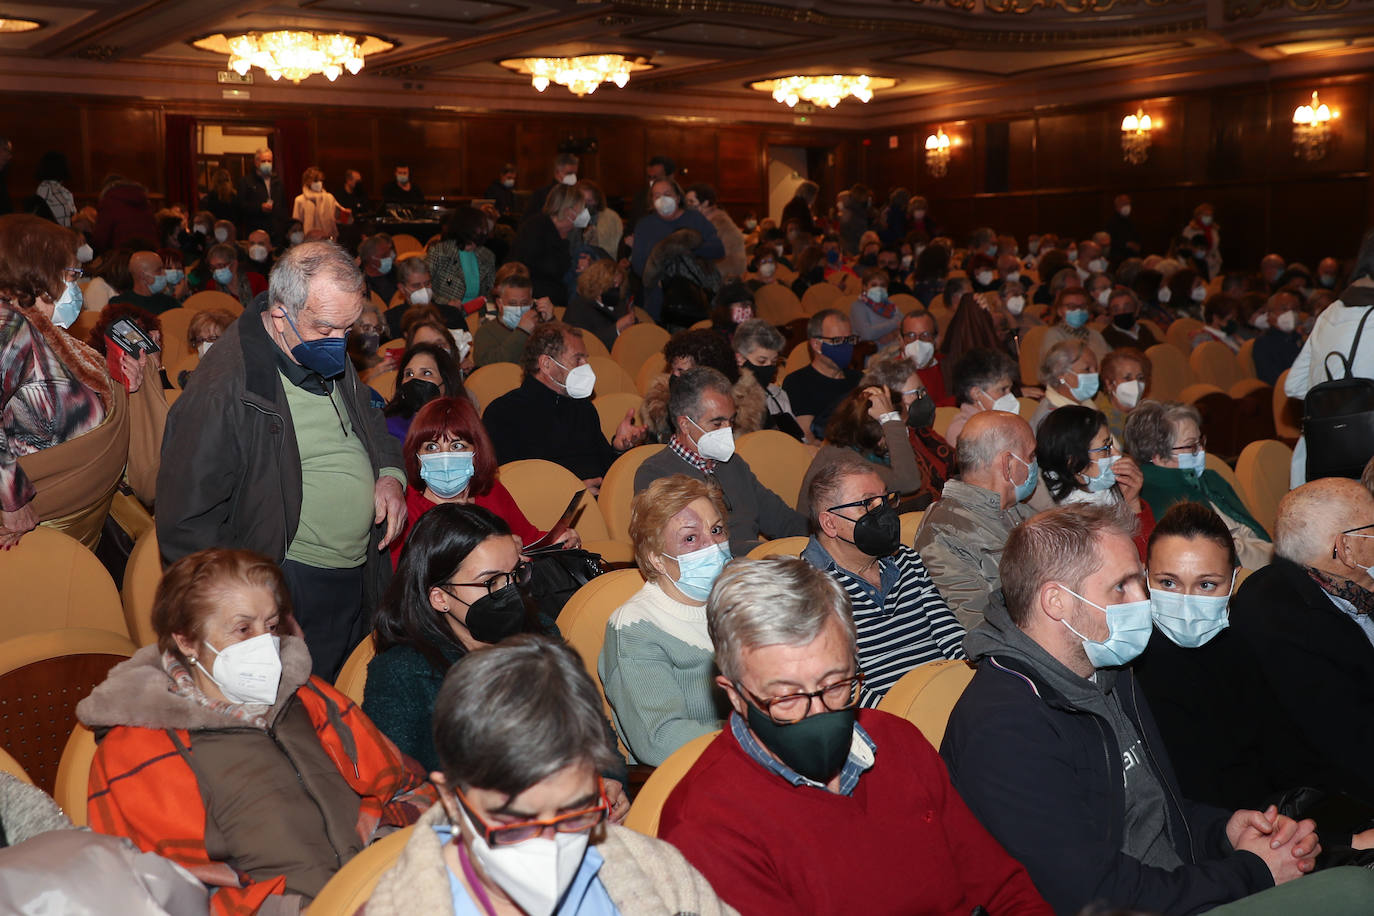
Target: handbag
1338, 418
556, 573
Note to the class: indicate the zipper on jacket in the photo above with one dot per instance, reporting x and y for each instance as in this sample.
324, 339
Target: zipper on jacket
286, 538
1159, 774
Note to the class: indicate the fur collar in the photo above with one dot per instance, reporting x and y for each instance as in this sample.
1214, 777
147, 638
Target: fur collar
138, 693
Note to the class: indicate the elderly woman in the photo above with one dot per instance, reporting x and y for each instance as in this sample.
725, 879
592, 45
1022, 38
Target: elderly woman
657, 660
871, 423
1125, 330
1069, 373
316, 208
1073, 308
541, 243
461, 266
758, 349
53, 388
872, 316
222, 753
426, 371
1081, 463
1166, 441
450, 459
221, 271
1125, 376
982, 380
597, 307
520, 823
364, 342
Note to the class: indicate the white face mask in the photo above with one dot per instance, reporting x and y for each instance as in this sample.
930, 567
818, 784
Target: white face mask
507, 182
1128, 393
583, 218
1206, 219
1165, 294
257, 252
569, 179
666, 206
580, 381
536, 873
84, 253
1016, 304
1097, 265
297, 238
921, 352
984, 277
1125, 211
1260, 320
1007, 403
317, 185
1012, 276
204, 347
420, 296
221, 235
767, 268
248, 671
1286, 322
1103, 295
718, 444
1198, 293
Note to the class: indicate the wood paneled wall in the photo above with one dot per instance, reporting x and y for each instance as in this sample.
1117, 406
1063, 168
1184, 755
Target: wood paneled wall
1231, 147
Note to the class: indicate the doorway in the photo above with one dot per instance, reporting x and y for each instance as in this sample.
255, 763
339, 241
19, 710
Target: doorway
228, 146
787, 168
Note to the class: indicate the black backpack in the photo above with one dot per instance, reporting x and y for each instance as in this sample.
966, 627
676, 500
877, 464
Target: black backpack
1338, 419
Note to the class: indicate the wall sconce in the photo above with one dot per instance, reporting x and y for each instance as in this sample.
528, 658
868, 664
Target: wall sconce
937, 153
1312, 129
1135, 136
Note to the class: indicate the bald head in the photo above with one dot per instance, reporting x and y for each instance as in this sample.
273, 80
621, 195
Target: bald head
1312, 517
144, 266
988, 434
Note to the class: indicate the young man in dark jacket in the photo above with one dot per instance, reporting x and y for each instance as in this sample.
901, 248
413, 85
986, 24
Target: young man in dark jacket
276, 449
1054, 749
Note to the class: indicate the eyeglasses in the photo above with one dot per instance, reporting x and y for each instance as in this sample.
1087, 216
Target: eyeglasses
1200, 443
869, 504
916, 393
510, 834
1104, 449
794, 707
928, 336
1351, 531
72, 274
518, 576
200, 340
851, 339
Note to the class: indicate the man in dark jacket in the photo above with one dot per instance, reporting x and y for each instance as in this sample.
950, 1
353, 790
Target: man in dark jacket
262, 202
276, 449
1054, 749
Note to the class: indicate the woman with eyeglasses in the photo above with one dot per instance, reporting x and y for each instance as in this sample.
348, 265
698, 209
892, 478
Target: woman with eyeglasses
521, 824
1166, 441
657, 660
873, 422
1082, 464
1068, 371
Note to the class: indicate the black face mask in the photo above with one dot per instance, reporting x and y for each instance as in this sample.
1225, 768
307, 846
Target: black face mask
879, 533
610, 299
816, 747
921, 413
1125, 321
416, 393
493, 617
869, 260
764, 375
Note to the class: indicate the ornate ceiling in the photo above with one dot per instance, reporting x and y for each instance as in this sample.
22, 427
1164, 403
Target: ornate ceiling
950, 57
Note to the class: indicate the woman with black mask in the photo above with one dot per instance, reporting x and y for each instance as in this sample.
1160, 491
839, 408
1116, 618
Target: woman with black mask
426, 372
758, 352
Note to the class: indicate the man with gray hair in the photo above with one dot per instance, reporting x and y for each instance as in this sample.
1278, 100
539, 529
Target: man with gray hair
1306, 619
1056, 752
262, 203
962, 534
276, 449
785, 811
701, 411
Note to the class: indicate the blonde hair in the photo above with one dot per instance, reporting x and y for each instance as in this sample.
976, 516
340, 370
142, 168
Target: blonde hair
655, 505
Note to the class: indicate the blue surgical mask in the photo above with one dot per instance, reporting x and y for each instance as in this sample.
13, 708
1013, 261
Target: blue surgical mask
446, 473
839, 354
1128, 632
174, 275
1027, 487
698, 570
877, 294
326, 355
158, 285
511, 315
384, 265
223, 275
1191, 620
68, 307
1076, 318
1193, 461
1106, 477
1087, 386
833, 256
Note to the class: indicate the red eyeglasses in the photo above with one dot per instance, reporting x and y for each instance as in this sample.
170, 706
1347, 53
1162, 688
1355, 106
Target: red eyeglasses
510, 834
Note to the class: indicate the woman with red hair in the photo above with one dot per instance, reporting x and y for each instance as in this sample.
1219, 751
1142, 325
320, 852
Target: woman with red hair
450, 459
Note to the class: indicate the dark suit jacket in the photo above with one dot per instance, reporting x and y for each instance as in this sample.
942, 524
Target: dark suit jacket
253, 192
1319, 665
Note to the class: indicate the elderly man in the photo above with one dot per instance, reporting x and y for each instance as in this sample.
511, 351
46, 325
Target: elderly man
262, 203
1123, 307
1125, 236
414, 290
1055, 750
1328, 274
1308, 612
962, 534
149, 284
920, 332
1280, 343
786, 812
376, 255
276, 449
668, 215
901, 619
564, 172
701, 410
1271, 270
816, 388
260, 253
551, 416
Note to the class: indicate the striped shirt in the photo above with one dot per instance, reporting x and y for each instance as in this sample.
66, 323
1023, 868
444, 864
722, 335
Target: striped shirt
901, 624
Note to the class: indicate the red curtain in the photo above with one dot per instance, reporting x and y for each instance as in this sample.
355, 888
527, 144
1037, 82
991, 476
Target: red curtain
292, 154
180, 131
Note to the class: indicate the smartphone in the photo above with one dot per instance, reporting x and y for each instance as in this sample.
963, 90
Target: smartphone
125, 337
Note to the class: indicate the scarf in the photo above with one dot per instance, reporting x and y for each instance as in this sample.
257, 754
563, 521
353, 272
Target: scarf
1361, 597
184, 685
84, 362
885, 309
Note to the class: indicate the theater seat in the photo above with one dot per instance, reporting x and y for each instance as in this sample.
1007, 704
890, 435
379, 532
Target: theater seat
611, 409
50, 581
582, 622
776, 304
925, 696
491, 381
142, 574
799, 358
777, 460
611, 377
1245, 359
1214, 363
384, 383
648, 804
1181, 331
208, 299
1030, 354
636, 344
1263, 470
73, 774
944, 416
911, 521
779, 547
1287, 412
405, 244
648, 373
820, 296
1171, 372
618, 489
906, 304
542, 489
593, 343
353, 675
346, 893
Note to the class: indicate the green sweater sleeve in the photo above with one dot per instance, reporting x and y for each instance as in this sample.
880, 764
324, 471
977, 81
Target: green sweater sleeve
399, 697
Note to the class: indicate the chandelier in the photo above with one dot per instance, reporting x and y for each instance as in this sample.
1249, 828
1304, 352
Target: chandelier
294, 54
1312, 129
1135, 136
937, 152
19, 25
827, 91
579, 75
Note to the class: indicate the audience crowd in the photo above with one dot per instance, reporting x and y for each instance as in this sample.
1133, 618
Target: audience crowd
1166, 687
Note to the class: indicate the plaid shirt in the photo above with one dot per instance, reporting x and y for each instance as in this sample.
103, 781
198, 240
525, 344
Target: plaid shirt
861, 753
705, 465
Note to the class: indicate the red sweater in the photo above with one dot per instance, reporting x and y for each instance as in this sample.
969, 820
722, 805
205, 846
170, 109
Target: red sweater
498, 500
934, 380
904, 843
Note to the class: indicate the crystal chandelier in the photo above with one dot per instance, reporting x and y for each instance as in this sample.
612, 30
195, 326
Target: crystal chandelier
294, 54
580, 75
827, 91
1135, 136
937, 152
1312, 129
